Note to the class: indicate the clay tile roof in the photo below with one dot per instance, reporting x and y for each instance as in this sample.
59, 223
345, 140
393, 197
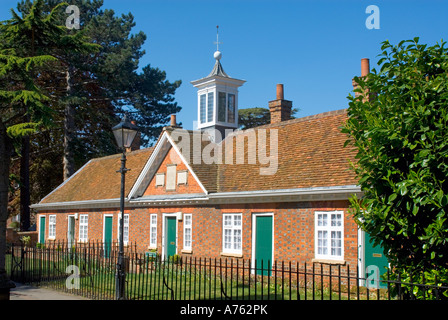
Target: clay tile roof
311, 153
99, 178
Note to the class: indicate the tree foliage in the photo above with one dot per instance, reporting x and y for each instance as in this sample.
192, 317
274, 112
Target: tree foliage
23, 110
94, 79
254, 117
398, 126
107, 83
37, 34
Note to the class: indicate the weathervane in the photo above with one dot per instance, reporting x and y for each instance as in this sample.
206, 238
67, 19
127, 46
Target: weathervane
217, 38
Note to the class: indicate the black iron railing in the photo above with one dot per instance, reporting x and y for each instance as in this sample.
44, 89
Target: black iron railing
89, 270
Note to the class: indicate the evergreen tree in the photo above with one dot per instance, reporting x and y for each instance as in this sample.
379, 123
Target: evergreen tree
254, 117
37, 33
109, 83
89, 92
23, 111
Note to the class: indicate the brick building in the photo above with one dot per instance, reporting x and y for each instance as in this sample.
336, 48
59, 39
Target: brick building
276, 192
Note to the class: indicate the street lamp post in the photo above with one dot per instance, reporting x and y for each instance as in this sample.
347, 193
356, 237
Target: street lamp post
124, 133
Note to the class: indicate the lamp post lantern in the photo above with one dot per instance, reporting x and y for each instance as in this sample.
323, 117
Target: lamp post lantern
124, 133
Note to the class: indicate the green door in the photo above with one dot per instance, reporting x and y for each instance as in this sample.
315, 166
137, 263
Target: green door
107, 236
71, 232
170, 235
42, 230
375, 264
263, 244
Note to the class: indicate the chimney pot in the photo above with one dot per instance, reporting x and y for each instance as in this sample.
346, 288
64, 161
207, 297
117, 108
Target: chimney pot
280, 95
173, 120
365, 70
365, 67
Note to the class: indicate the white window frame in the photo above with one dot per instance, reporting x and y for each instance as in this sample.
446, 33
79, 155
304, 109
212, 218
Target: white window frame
202, 112
188, 216
52, 226
211, 98
153, 232
83, 225
233, 229
126, 226
327, 230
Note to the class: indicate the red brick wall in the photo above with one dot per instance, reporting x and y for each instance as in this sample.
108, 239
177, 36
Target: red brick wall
173, 158
95, 224
293, 223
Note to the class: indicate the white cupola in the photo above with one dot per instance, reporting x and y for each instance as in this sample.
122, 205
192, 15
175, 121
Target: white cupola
218, 99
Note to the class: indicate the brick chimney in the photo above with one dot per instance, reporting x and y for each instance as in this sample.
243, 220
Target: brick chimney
280, 109
365, 70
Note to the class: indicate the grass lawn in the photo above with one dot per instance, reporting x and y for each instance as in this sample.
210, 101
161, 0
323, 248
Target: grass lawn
167, 281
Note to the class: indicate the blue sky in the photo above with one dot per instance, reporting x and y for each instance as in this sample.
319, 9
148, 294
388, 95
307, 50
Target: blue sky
313, 47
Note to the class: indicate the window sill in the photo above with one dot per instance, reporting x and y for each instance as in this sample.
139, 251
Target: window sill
329, 261
187, 251
231, 254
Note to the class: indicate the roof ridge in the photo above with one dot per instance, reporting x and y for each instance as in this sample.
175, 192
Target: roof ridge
116, 155
292, 121
306, 118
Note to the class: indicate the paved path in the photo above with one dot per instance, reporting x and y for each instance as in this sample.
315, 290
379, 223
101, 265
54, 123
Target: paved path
26, 292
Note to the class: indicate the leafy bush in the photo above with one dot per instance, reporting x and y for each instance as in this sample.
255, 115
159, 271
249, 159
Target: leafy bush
399, 127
